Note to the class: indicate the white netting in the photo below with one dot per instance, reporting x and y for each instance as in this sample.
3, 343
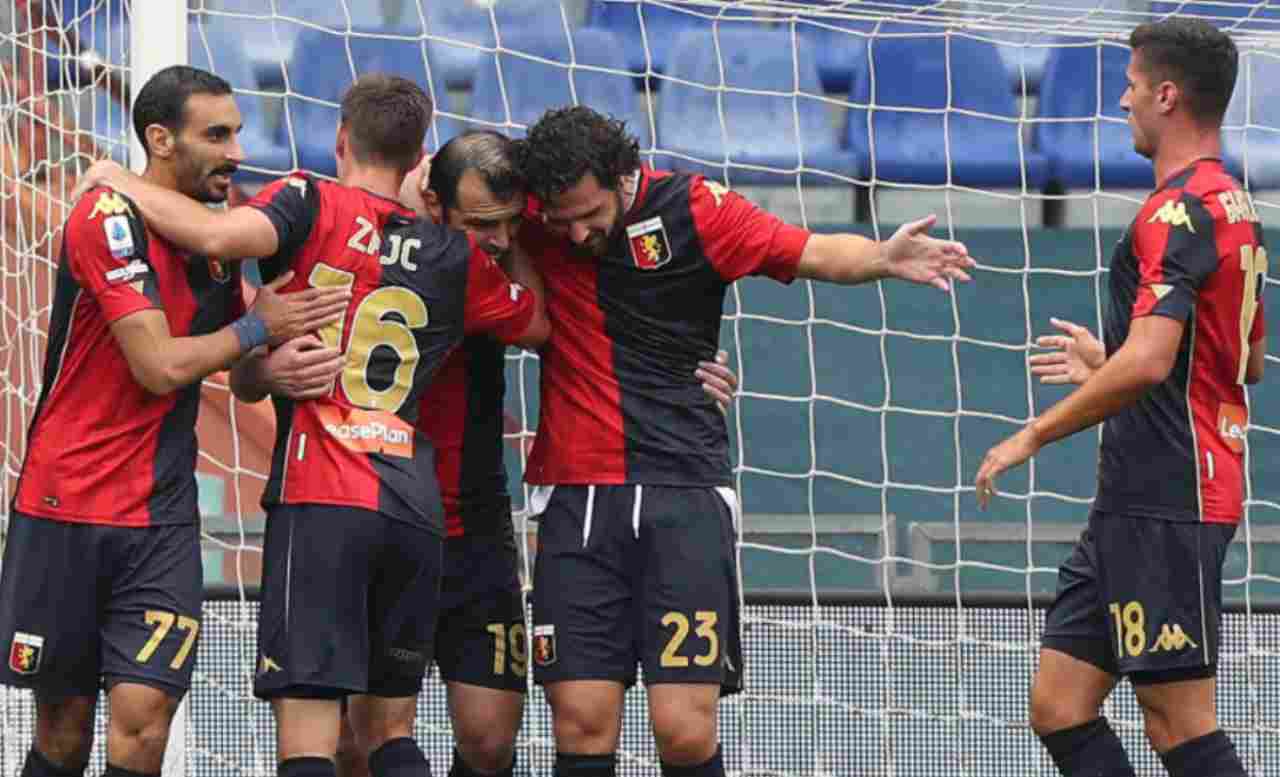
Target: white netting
863, 412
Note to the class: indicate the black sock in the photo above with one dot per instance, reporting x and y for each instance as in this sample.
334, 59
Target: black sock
399, 758
37, 765
306, 766
1091, 749
462, 769
1212, 755
574, 765
713, 767
119, 771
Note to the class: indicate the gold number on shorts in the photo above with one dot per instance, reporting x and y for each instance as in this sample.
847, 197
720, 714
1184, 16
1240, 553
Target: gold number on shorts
1253, 261
385, 317
706, 628
513, 640
1131, 628
162, 622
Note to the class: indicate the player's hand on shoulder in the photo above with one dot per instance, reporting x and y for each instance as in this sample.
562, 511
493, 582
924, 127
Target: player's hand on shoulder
1077, 355
414, 186
104, 172
302, 368
912, 255
718, 381
291, 315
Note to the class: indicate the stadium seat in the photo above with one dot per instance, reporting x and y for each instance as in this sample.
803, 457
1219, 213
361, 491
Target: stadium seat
912, 65
312, 105
467, 28
756, 129
267, 33
839, 43
648, 32
1256, 102
1069, 95
215, 48
533, 86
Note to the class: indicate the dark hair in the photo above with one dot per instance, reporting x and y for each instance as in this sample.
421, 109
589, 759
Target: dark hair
1198, 57
485, 151
567, 143
163, 99
386, 119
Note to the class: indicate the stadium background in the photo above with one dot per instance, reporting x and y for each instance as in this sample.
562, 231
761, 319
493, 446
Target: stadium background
893, 627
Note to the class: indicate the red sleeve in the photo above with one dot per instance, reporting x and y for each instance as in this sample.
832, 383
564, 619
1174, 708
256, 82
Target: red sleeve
1177, 252
291, 203
741, 239
107, 254
495, 304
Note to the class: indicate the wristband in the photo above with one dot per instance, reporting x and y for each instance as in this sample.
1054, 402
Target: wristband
251, 330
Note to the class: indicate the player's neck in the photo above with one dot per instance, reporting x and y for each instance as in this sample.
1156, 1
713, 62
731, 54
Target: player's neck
161, 175
378, 180
1180, 149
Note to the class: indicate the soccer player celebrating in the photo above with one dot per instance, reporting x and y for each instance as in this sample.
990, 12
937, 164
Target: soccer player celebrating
636, 539
352, 557
102, 582
1141, 595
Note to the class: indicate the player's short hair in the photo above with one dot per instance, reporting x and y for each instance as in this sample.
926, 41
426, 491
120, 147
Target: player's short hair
386, 119
163, 98
567, 143
1201, 59
487, 152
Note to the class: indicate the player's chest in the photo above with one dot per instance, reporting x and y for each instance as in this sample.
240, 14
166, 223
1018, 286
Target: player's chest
199, 295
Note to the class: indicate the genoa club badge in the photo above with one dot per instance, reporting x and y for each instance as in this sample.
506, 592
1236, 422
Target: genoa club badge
25, 653
544, 644
650, 248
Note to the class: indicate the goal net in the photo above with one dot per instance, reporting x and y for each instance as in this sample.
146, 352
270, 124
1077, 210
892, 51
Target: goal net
890, 627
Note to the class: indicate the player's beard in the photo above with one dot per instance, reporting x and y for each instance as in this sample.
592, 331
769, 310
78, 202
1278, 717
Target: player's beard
597, 244
195, 178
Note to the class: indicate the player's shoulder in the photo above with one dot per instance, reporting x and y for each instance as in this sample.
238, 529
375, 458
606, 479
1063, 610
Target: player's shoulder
100, 203
108, 220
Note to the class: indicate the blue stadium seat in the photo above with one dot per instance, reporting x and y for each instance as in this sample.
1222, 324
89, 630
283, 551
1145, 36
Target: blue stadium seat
468, 28
662, 25
756, 129
217, 49
1070, 92
911, 71
268, 40
839, 44
312, 112
1256, 101
532, 86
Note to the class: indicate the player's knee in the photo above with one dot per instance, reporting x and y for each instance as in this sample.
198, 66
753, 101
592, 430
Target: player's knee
1051, 711
1166, 728
685, 734
138, 730
487, 752
64, 729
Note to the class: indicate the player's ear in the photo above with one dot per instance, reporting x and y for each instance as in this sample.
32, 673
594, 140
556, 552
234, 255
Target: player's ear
1167, 96
160, 140
434, 208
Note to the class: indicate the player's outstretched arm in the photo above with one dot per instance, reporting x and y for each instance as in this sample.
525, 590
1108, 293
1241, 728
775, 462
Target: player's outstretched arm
162, 363
1145, 360
303, 368
233, 233
909, 255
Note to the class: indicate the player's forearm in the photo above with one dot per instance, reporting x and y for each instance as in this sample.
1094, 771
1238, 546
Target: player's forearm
248, 381
1118, 383
176, 362
174, 216
844, 259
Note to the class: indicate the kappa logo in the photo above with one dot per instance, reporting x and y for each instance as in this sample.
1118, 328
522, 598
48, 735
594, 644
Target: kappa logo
25, 652
1174, 214
650, 248
1171, 639
109, 204
717, 190
544, 644
267, 664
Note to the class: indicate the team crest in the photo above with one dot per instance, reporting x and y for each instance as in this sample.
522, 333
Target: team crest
649, 246
544, 644
25, 653
109, 204
218, 270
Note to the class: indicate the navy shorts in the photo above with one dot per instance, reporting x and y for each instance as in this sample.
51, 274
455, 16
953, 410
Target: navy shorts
349, 602
85, 606
637, 574
1142, 598
480, 638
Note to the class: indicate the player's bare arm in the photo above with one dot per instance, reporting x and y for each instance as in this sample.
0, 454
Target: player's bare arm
302, 368
1145, 360
162, 363
1257, 361
1077, 355
234, 233
909, 255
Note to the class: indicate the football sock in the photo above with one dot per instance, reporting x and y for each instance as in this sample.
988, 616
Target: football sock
399, 758
37, 765
306, 766
712, 767
1089, 750
119, 771
574, 765
1212, 755
462, 769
